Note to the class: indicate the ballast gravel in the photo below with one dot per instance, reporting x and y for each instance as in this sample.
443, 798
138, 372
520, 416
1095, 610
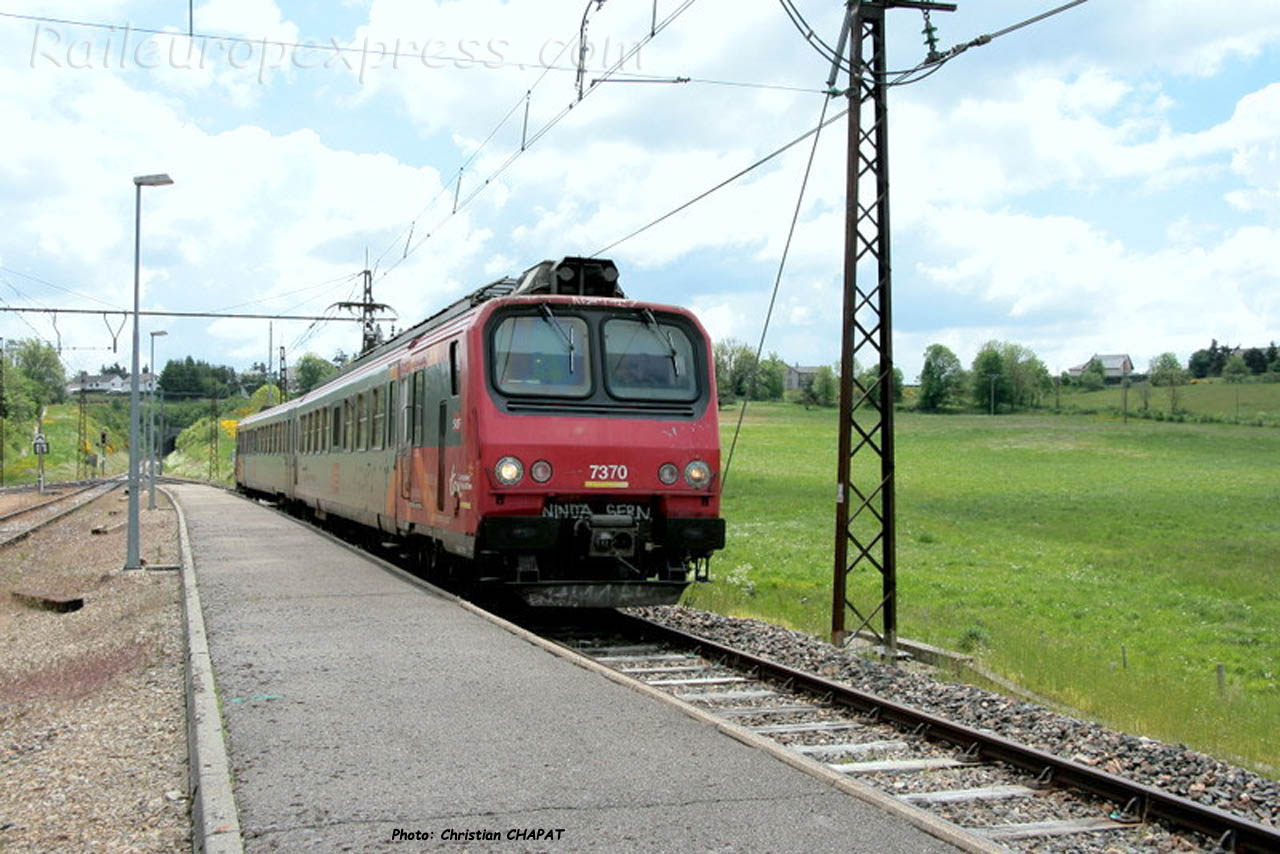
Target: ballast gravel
92, 721
1171, 767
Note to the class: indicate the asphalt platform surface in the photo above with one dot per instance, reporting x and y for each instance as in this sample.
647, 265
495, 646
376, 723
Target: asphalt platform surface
364, 713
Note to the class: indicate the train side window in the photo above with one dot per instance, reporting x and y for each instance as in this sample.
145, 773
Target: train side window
358, 438
366, 421
391, 413
376, 427
405, 393
419, 407
336, 434
453, 368
347, 414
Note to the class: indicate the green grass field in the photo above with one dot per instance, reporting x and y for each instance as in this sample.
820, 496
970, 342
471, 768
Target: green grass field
1044, 544
1248, 402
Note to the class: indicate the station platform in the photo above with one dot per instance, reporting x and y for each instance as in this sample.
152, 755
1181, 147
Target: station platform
366, 712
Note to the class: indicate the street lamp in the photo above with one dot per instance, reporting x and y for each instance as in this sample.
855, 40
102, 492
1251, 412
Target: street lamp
151, 445
132, 559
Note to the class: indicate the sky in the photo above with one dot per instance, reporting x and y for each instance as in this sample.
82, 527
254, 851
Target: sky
1104, 181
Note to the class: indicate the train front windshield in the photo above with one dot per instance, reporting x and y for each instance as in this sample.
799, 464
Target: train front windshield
597, 355
647, 360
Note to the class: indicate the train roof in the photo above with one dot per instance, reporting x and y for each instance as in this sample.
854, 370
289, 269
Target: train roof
574, 276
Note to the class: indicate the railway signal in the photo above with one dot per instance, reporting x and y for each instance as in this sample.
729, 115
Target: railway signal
40, 445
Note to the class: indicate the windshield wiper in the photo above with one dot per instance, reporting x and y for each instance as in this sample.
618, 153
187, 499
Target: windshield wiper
651, 323
555, 324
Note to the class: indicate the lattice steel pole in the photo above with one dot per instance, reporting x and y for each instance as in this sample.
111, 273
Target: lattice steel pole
866, 535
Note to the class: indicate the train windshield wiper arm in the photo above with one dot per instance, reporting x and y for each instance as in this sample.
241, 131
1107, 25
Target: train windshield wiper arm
555, 324
651, 323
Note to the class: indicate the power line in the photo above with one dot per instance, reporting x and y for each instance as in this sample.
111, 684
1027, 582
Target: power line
777, 283
546, 128
270, 297
726, 182
41, 281
525, 100
208, 314
365, 51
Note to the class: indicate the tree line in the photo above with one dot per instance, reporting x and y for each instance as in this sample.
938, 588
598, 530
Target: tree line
741, 376
192, 378
1218, 360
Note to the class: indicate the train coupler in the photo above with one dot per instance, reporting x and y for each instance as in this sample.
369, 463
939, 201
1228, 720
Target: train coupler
527, 569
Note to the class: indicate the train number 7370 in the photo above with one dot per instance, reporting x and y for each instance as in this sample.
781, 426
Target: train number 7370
609, 472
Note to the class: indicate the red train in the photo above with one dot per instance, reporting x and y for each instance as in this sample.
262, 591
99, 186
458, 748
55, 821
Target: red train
543, 434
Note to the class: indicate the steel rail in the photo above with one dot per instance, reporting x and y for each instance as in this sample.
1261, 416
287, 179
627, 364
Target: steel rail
54, 500
112, 485
1233, 833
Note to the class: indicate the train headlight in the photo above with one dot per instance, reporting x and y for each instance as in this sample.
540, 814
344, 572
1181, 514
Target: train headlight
668, 474
697, 474
509, 471
541, 471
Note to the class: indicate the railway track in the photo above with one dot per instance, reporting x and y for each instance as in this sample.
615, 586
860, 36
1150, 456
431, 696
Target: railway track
19, 524
1016, 797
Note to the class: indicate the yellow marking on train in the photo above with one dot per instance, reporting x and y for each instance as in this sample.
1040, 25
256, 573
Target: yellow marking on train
606, 484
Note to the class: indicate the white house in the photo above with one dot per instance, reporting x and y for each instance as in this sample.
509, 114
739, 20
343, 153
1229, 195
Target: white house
108, 383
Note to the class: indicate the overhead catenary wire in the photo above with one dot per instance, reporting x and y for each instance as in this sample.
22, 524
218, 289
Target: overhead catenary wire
777, 282
523, 101
540, 133
363, 51
47, 283
721, 185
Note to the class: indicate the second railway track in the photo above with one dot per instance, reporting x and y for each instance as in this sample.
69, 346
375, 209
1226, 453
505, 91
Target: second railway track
66, 498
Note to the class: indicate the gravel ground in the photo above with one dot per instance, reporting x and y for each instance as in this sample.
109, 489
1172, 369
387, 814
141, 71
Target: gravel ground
1173, 768
92, 721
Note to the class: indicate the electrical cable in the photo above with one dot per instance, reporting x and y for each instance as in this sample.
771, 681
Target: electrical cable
726, 182
271, 297
58, 287
541, 132
777, 282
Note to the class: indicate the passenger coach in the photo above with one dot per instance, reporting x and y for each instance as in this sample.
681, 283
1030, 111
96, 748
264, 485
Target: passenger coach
543, 434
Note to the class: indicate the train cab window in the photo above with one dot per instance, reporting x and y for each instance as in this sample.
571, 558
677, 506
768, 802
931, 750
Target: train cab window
376, 424
544, 355
648, 360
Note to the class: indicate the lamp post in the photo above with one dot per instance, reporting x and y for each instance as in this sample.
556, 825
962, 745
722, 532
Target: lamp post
151, 445
132, 559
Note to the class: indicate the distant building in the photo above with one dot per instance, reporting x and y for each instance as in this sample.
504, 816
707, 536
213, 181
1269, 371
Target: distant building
798, 376
1114, 367
108, 383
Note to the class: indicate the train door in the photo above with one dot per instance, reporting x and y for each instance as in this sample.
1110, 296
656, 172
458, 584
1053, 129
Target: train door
293, 456
443, 418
